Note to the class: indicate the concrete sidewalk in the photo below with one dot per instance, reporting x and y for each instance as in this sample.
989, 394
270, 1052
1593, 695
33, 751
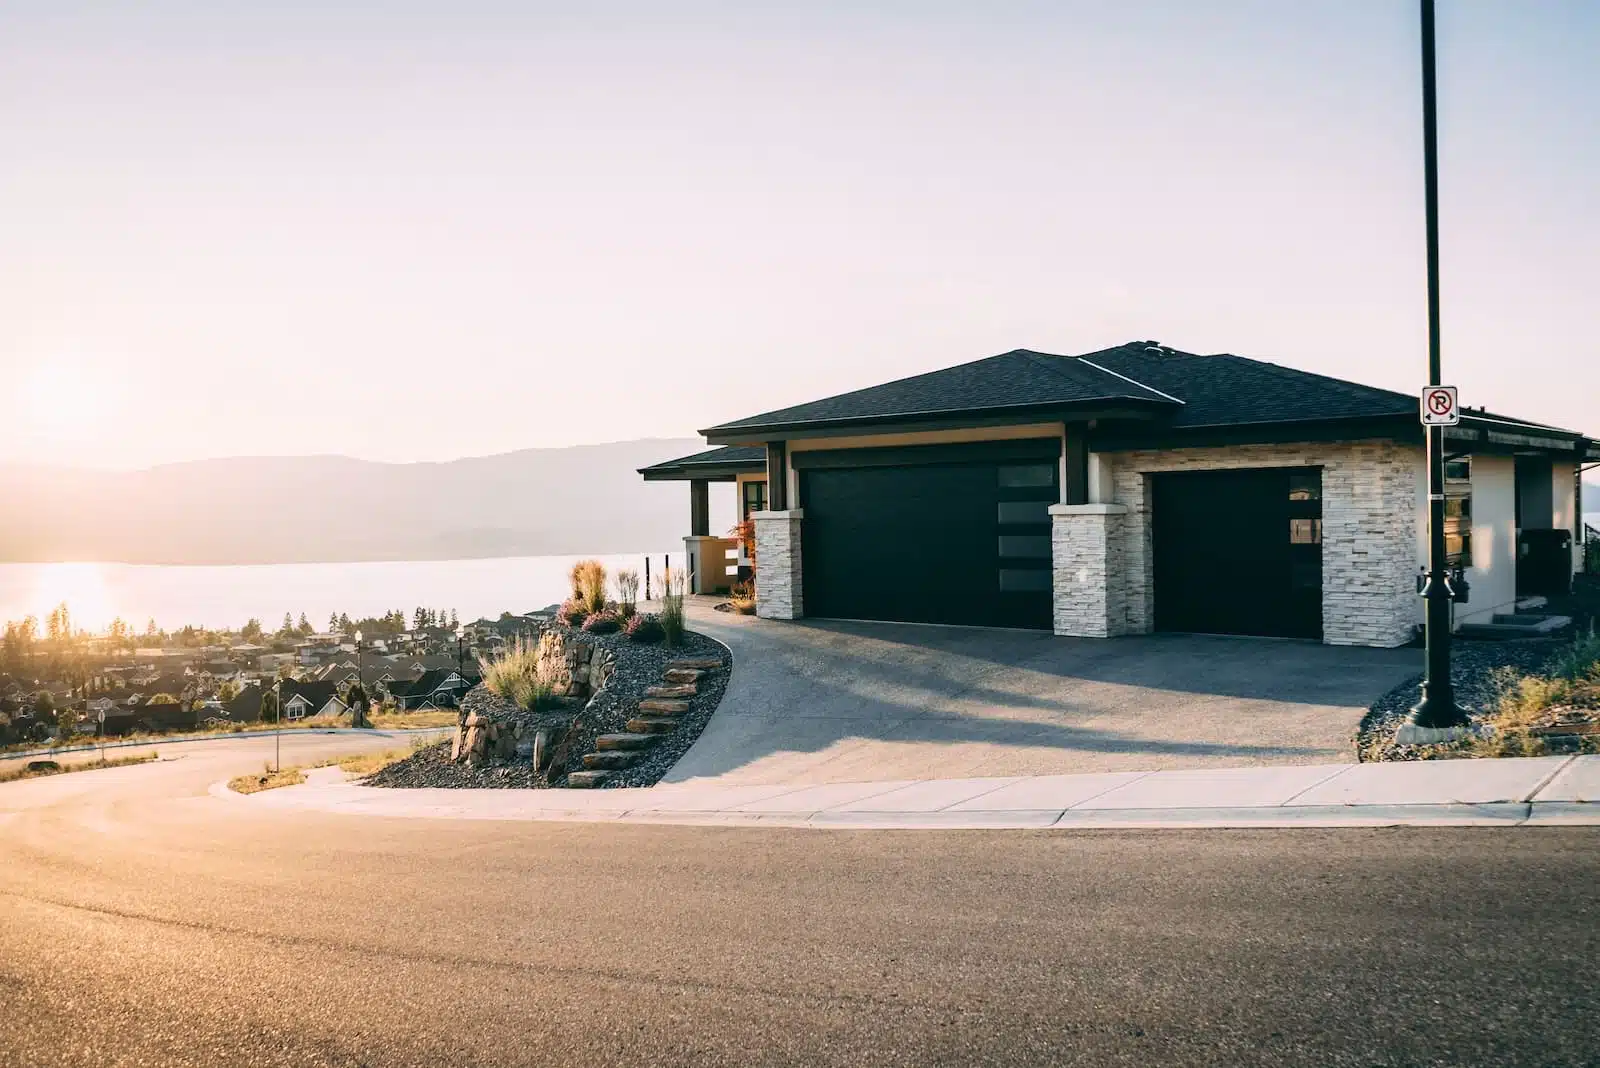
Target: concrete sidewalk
1530, 791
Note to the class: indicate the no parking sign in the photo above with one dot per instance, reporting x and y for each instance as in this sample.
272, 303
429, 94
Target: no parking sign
1439, 406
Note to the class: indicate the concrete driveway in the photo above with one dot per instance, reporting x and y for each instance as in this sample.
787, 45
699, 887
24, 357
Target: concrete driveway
816, 702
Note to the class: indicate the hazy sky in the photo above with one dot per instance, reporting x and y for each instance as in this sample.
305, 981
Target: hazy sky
408, 231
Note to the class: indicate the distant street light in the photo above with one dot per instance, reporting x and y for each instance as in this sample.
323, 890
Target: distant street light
461, 658
361, 709
277, 733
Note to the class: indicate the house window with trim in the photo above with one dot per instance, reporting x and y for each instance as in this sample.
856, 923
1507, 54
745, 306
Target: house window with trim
754, 499
1458, 511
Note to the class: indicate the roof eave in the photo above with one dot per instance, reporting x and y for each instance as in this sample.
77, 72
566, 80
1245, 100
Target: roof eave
1103, 408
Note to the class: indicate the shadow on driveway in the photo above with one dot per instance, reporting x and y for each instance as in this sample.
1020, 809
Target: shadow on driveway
817, 701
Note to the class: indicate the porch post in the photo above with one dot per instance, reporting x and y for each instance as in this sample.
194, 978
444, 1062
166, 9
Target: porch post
699, 508
777, 477
1086, 569
778, 570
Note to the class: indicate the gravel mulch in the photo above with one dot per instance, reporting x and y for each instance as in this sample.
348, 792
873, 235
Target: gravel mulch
638, 667
1473, 666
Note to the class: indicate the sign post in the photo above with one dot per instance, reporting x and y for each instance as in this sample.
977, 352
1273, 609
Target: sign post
1436, 717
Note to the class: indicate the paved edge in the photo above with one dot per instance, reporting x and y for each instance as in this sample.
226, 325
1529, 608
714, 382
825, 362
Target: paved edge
350, 800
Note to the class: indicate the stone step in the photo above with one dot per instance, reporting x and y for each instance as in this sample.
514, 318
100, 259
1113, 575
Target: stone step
702, 663
614, 760
586, 780
687, 689
682, 674
625, 741
663, 706
652, 724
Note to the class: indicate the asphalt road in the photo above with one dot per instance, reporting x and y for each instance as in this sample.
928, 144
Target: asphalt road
143, 922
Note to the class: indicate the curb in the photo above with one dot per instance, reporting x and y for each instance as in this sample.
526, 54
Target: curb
368, 732
312, 797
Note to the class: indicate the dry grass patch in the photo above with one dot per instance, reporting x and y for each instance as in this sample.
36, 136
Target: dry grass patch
364, 764
397, 721
14, 774
267, 780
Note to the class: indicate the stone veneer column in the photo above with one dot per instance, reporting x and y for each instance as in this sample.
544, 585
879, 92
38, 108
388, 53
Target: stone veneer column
778, 571
1085, 565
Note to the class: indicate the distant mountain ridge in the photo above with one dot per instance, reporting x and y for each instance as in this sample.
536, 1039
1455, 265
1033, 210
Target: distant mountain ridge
305, 509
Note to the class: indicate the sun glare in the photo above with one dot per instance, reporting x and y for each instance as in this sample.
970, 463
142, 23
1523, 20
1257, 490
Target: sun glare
81, 587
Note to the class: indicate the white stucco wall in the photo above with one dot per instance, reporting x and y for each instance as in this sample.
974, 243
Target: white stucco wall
1493, 574
1564, 498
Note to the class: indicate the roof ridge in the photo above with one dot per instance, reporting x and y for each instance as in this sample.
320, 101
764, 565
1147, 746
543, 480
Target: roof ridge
1043, 359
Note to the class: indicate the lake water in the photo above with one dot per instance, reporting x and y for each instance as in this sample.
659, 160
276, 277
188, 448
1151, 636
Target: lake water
228, 596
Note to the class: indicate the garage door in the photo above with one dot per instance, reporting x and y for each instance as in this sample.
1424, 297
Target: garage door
930, 535
1239, 552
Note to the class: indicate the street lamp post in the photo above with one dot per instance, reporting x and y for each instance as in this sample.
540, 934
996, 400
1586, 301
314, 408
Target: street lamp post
1436, 716
361, 709
277, 733
461, 658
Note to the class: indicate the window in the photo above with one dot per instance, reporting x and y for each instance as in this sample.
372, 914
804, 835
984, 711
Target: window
1031, 476
1035, 512
1026, 545
1016, 580
755, 499
1305, 532
1305, 486
1458, 511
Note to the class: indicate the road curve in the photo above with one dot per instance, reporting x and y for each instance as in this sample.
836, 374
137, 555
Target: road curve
145, 922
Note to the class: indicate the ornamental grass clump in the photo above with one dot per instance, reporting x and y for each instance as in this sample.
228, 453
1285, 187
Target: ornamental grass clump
627, 592
743, 599
672, 605
589, 584
644, 628
517, 674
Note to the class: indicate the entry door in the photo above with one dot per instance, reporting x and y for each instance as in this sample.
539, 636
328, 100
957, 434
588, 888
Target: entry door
1239, 552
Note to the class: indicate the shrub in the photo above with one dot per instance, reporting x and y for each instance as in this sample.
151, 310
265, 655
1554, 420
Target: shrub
627, 592
605, 622
572, 612
517, 675
589, 584
1581, 659
644, 628
743, 599
672, 605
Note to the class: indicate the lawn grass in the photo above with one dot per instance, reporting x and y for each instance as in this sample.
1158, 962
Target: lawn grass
13, 774
359, 764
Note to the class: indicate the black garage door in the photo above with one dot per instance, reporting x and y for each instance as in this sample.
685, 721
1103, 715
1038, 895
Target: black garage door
1239, 552
933, 534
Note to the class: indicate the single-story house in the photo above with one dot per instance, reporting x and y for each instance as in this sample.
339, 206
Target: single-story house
434, 688
1130, 490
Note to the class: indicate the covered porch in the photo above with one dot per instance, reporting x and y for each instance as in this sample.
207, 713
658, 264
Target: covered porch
713, 561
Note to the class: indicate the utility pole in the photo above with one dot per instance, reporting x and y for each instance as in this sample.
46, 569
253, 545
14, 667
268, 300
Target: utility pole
1436, 716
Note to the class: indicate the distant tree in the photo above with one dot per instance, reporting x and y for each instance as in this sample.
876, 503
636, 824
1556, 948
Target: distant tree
454, 623
251, 631
333, 622
304, 626
228, 690
162, 699
269, 706
287, 630
150, 627
345, 625
419, 618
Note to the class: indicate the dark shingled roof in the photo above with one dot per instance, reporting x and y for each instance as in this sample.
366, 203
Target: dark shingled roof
727, 454
1228, 390
1016, 379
